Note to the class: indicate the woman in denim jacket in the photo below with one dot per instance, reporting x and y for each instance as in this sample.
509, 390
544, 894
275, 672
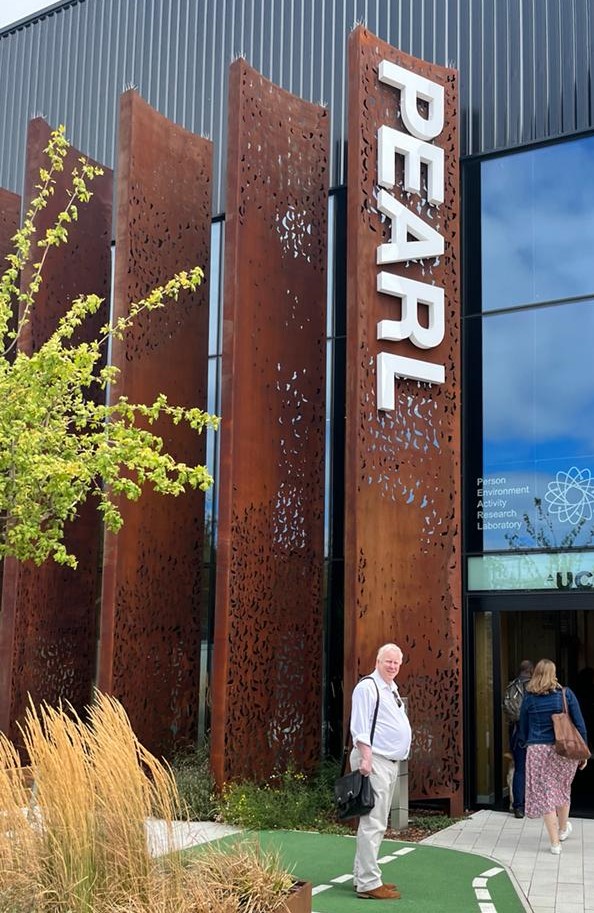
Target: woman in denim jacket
548, 775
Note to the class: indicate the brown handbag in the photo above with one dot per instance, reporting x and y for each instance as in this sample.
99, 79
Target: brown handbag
568, 741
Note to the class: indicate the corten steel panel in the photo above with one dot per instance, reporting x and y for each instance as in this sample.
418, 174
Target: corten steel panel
10, 212
150, 613
10, 217
48, 623
402, 500
268, 627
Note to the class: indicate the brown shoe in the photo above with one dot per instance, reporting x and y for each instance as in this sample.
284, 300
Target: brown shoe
381, 893
386, 884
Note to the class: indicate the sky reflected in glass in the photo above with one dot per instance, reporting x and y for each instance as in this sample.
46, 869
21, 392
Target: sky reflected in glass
538, 225
537, 486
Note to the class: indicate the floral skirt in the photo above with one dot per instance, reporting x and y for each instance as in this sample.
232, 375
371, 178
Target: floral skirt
548, 780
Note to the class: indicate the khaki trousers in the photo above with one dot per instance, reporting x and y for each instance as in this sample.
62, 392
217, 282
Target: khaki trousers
372, 827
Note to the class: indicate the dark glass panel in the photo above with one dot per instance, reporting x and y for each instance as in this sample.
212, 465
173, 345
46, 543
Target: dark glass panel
538, 225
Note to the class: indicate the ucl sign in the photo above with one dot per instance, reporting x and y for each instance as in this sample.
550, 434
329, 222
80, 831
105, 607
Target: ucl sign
411, 237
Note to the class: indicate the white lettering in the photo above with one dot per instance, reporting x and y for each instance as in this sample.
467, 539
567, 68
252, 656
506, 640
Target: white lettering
403, 222
411, 238
415, 152
391, 366
412, 87
412, 294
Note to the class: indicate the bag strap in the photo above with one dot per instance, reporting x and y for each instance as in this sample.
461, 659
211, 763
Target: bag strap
345, 750
564, 697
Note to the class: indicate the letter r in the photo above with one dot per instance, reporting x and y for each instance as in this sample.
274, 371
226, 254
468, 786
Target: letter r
413, 293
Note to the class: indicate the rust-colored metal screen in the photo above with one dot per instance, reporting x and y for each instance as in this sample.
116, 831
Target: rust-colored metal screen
150, 614
402, 501
268, 628
10, 217
48, 623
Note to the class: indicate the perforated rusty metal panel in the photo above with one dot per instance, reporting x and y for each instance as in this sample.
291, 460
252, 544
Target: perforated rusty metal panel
10, 215
268, 628
10, 212
402, 501
48, 623
150, 613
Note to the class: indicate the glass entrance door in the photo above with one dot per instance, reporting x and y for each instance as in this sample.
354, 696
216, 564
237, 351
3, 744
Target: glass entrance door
502, 636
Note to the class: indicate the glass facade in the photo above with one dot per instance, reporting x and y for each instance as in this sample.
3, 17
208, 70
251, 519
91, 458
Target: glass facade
532, 438
537, 225
529, 443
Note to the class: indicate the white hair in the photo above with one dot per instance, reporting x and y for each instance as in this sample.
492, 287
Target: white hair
385, 648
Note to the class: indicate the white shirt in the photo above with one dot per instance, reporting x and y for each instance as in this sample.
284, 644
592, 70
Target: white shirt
392, 736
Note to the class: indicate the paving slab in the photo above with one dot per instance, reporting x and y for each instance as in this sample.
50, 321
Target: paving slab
549, 884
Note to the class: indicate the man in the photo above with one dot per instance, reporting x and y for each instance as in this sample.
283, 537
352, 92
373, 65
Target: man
512, 702
378, 759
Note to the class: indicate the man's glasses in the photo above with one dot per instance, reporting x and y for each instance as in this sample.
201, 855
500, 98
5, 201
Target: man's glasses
397, 699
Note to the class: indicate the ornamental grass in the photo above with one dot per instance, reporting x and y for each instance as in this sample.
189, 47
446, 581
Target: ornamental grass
76, 841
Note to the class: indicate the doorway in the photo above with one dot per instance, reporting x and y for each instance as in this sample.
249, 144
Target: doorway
504, 631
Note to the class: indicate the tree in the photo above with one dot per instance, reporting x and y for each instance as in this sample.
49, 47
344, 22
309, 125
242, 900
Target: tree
58, 443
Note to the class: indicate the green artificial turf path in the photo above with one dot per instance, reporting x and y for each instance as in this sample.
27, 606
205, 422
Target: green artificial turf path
430, 879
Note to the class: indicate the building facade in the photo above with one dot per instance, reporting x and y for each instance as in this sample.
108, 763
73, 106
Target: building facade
478, 550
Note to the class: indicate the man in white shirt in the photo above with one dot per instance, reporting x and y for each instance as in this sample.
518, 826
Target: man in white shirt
378, 758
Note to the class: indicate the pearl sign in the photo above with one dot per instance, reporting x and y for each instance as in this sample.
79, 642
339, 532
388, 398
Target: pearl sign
411, 237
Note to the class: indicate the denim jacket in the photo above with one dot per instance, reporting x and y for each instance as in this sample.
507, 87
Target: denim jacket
536, 726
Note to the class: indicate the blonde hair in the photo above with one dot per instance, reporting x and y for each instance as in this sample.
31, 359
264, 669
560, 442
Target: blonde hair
385, 648
544, 678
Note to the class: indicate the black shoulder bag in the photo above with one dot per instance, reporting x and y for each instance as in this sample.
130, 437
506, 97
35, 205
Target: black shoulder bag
353, 793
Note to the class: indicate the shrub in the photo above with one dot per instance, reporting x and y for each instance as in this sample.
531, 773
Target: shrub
195, 783
288, 800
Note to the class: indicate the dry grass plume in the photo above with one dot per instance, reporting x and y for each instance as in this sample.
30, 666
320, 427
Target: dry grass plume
76, 842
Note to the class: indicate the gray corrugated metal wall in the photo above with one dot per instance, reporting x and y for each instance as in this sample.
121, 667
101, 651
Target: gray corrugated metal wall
525, 65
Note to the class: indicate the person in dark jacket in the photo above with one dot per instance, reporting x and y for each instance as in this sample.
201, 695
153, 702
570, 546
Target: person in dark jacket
548, 775
512, 704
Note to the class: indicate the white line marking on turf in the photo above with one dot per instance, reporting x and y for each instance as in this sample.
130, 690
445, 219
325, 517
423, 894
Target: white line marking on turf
341, 879
481, 892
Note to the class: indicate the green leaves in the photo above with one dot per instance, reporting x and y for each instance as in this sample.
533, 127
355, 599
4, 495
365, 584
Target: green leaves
59, 442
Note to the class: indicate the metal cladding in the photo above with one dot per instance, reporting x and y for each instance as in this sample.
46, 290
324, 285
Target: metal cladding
525, 65
402, 491
150, 613
268, 629
48, 623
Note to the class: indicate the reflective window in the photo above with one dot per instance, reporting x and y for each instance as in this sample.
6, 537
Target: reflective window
535, 488
537, 219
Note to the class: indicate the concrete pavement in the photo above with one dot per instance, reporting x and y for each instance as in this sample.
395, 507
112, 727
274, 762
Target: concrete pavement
548, 884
